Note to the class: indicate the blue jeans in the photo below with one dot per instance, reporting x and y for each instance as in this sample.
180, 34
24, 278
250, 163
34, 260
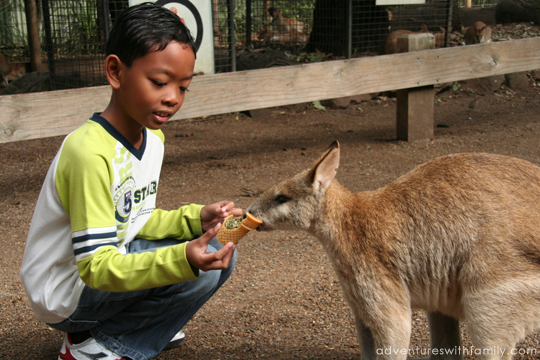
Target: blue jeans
139, 324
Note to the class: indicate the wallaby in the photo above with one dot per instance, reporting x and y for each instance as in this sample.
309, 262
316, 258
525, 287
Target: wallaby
292, 36
282, 30
8, 72
284, 25
458, 237
390, 46
265, 34
478, 33
440, 38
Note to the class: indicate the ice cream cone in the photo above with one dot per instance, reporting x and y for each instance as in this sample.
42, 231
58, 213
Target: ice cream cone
251, 221
225, 235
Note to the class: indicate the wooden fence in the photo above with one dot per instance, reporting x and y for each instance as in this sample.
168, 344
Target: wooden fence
37, 115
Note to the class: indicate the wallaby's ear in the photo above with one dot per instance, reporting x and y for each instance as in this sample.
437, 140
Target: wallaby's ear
324, 170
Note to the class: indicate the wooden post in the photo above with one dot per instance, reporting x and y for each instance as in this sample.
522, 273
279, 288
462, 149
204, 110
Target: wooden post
215, 22
248, 24
232, 45
414, 118
33, 35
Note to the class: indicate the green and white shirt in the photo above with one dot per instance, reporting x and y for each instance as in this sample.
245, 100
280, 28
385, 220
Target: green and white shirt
99, 194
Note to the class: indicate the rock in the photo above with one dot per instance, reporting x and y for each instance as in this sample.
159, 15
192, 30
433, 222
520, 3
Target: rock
262, 59
517, 81
29, 83
485, 85
469, 16
512, 11
41, 81
295, 107
257, 113
344, 102
267, 112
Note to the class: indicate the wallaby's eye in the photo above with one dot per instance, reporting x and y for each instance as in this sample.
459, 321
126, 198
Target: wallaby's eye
281, 199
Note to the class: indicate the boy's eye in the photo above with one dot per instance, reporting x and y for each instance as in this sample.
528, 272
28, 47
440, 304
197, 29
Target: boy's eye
183, 89
158, 83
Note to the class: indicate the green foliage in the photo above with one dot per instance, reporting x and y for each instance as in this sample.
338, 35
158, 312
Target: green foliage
12, 25
479, 3
317, 105
81, 27
301, 10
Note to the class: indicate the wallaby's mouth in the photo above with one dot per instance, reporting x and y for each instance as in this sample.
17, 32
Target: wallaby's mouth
250, 221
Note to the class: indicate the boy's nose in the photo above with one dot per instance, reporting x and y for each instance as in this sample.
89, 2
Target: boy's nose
171, 98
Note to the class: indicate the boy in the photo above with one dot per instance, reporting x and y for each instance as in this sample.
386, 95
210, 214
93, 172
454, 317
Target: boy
101, 264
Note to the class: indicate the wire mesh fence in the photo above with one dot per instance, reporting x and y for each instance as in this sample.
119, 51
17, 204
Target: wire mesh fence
311, 30
13, 38
74, 42
73, 33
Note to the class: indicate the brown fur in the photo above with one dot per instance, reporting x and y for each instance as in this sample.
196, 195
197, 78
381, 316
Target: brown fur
284, 25
458, 237
390, 46
292, 37
283, 30
440, 38
478, 33
8, 71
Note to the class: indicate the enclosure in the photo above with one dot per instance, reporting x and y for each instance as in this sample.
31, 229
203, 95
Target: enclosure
283, 300
67, 38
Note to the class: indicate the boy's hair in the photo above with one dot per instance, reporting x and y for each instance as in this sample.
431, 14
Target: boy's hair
145, 28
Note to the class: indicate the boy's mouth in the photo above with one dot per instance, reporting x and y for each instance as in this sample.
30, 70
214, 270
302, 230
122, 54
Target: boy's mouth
162, 116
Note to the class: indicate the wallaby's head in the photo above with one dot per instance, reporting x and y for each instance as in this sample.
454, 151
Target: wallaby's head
274, 13
16, 71
294, 203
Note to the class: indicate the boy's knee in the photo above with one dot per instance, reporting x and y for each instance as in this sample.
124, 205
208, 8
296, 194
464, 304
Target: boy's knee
228, 271
209, 280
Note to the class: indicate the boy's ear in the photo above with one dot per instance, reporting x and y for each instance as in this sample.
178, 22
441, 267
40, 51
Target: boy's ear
113, 66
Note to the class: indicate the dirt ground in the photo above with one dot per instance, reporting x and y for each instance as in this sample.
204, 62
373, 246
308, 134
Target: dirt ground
283, 300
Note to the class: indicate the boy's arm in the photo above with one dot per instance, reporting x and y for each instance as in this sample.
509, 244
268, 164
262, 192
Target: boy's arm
84, 188
109, 270
148, 266
181, 224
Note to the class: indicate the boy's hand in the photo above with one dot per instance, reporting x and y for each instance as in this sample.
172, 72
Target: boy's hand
214, 214
197, 253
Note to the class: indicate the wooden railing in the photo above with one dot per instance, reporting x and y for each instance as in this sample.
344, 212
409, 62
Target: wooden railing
37, 115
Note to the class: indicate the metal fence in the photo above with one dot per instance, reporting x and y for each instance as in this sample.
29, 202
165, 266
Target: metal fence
314, 30
13, 38
73, 32
74, 41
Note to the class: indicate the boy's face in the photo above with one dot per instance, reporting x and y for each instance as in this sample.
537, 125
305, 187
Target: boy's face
153, 89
